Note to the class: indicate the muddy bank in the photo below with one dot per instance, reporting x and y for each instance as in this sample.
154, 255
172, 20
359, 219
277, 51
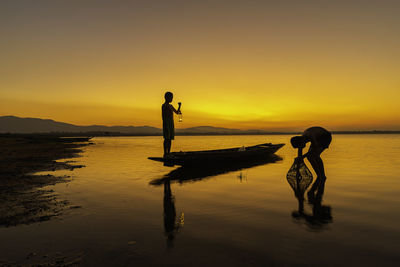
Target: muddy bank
23, 199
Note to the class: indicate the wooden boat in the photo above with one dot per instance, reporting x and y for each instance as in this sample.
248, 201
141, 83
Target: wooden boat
231, 155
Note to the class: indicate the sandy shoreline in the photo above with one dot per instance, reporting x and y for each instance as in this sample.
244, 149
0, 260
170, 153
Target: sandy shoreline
23, 200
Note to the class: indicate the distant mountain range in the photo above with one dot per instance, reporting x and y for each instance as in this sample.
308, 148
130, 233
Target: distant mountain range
13, 124
17, 125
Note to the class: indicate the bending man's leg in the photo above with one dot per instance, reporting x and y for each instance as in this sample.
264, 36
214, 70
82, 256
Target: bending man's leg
317, 164
320, 189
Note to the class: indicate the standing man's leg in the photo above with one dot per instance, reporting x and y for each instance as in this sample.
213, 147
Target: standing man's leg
167, 146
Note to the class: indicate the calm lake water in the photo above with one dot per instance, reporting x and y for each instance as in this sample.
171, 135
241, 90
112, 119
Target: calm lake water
238, 218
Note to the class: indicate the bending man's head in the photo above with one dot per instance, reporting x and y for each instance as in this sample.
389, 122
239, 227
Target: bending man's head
298, 141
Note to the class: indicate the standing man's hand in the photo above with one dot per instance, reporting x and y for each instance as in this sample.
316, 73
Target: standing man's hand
179, 107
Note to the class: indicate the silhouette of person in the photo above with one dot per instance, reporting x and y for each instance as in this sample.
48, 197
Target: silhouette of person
168, 121
320, 140
171, 226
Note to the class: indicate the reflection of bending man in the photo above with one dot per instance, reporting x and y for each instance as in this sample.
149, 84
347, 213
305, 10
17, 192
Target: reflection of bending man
320, 140
321, 214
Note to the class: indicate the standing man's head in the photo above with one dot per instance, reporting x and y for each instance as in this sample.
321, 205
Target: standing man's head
168, 97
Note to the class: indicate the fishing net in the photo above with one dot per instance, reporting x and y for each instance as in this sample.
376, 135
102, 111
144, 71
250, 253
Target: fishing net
299, 176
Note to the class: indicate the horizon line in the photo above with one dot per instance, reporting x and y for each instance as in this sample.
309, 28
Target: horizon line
252, 131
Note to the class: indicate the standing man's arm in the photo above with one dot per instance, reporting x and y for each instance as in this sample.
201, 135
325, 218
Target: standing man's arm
174, 110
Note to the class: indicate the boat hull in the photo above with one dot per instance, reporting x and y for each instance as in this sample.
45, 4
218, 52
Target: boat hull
210, 157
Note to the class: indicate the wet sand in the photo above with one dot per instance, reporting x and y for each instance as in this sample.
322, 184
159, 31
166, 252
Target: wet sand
23, 198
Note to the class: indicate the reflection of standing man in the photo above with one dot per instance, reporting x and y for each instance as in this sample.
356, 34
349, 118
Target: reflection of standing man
320, 140
169, 213
168, 121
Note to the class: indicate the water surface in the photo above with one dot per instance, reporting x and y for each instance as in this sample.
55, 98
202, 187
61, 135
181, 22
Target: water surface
242, 217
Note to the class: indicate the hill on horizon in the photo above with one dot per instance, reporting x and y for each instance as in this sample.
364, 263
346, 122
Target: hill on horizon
17, 125
14, 124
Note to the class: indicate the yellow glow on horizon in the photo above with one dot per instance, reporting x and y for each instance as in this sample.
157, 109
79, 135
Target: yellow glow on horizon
266, 66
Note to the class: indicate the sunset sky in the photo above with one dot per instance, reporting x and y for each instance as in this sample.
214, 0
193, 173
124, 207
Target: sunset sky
275, 65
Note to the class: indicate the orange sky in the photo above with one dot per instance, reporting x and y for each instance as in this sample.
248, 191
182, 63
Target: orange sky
237, 64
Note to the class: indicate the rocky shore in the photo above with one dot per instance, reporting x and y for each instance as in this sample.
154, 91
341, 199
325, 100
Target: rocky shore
23, 198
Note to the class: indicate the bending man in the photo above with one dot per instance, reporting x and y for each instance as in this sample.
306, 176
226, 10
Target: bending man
320, 140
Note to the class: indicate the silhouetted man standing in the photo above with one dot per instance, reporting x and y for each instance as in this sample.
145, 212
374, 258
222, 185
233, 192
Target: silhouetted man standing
168, 121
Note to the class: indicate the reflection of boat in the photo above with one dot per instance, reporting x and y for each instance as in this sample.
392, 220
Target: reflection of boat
191, 174
238, 154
